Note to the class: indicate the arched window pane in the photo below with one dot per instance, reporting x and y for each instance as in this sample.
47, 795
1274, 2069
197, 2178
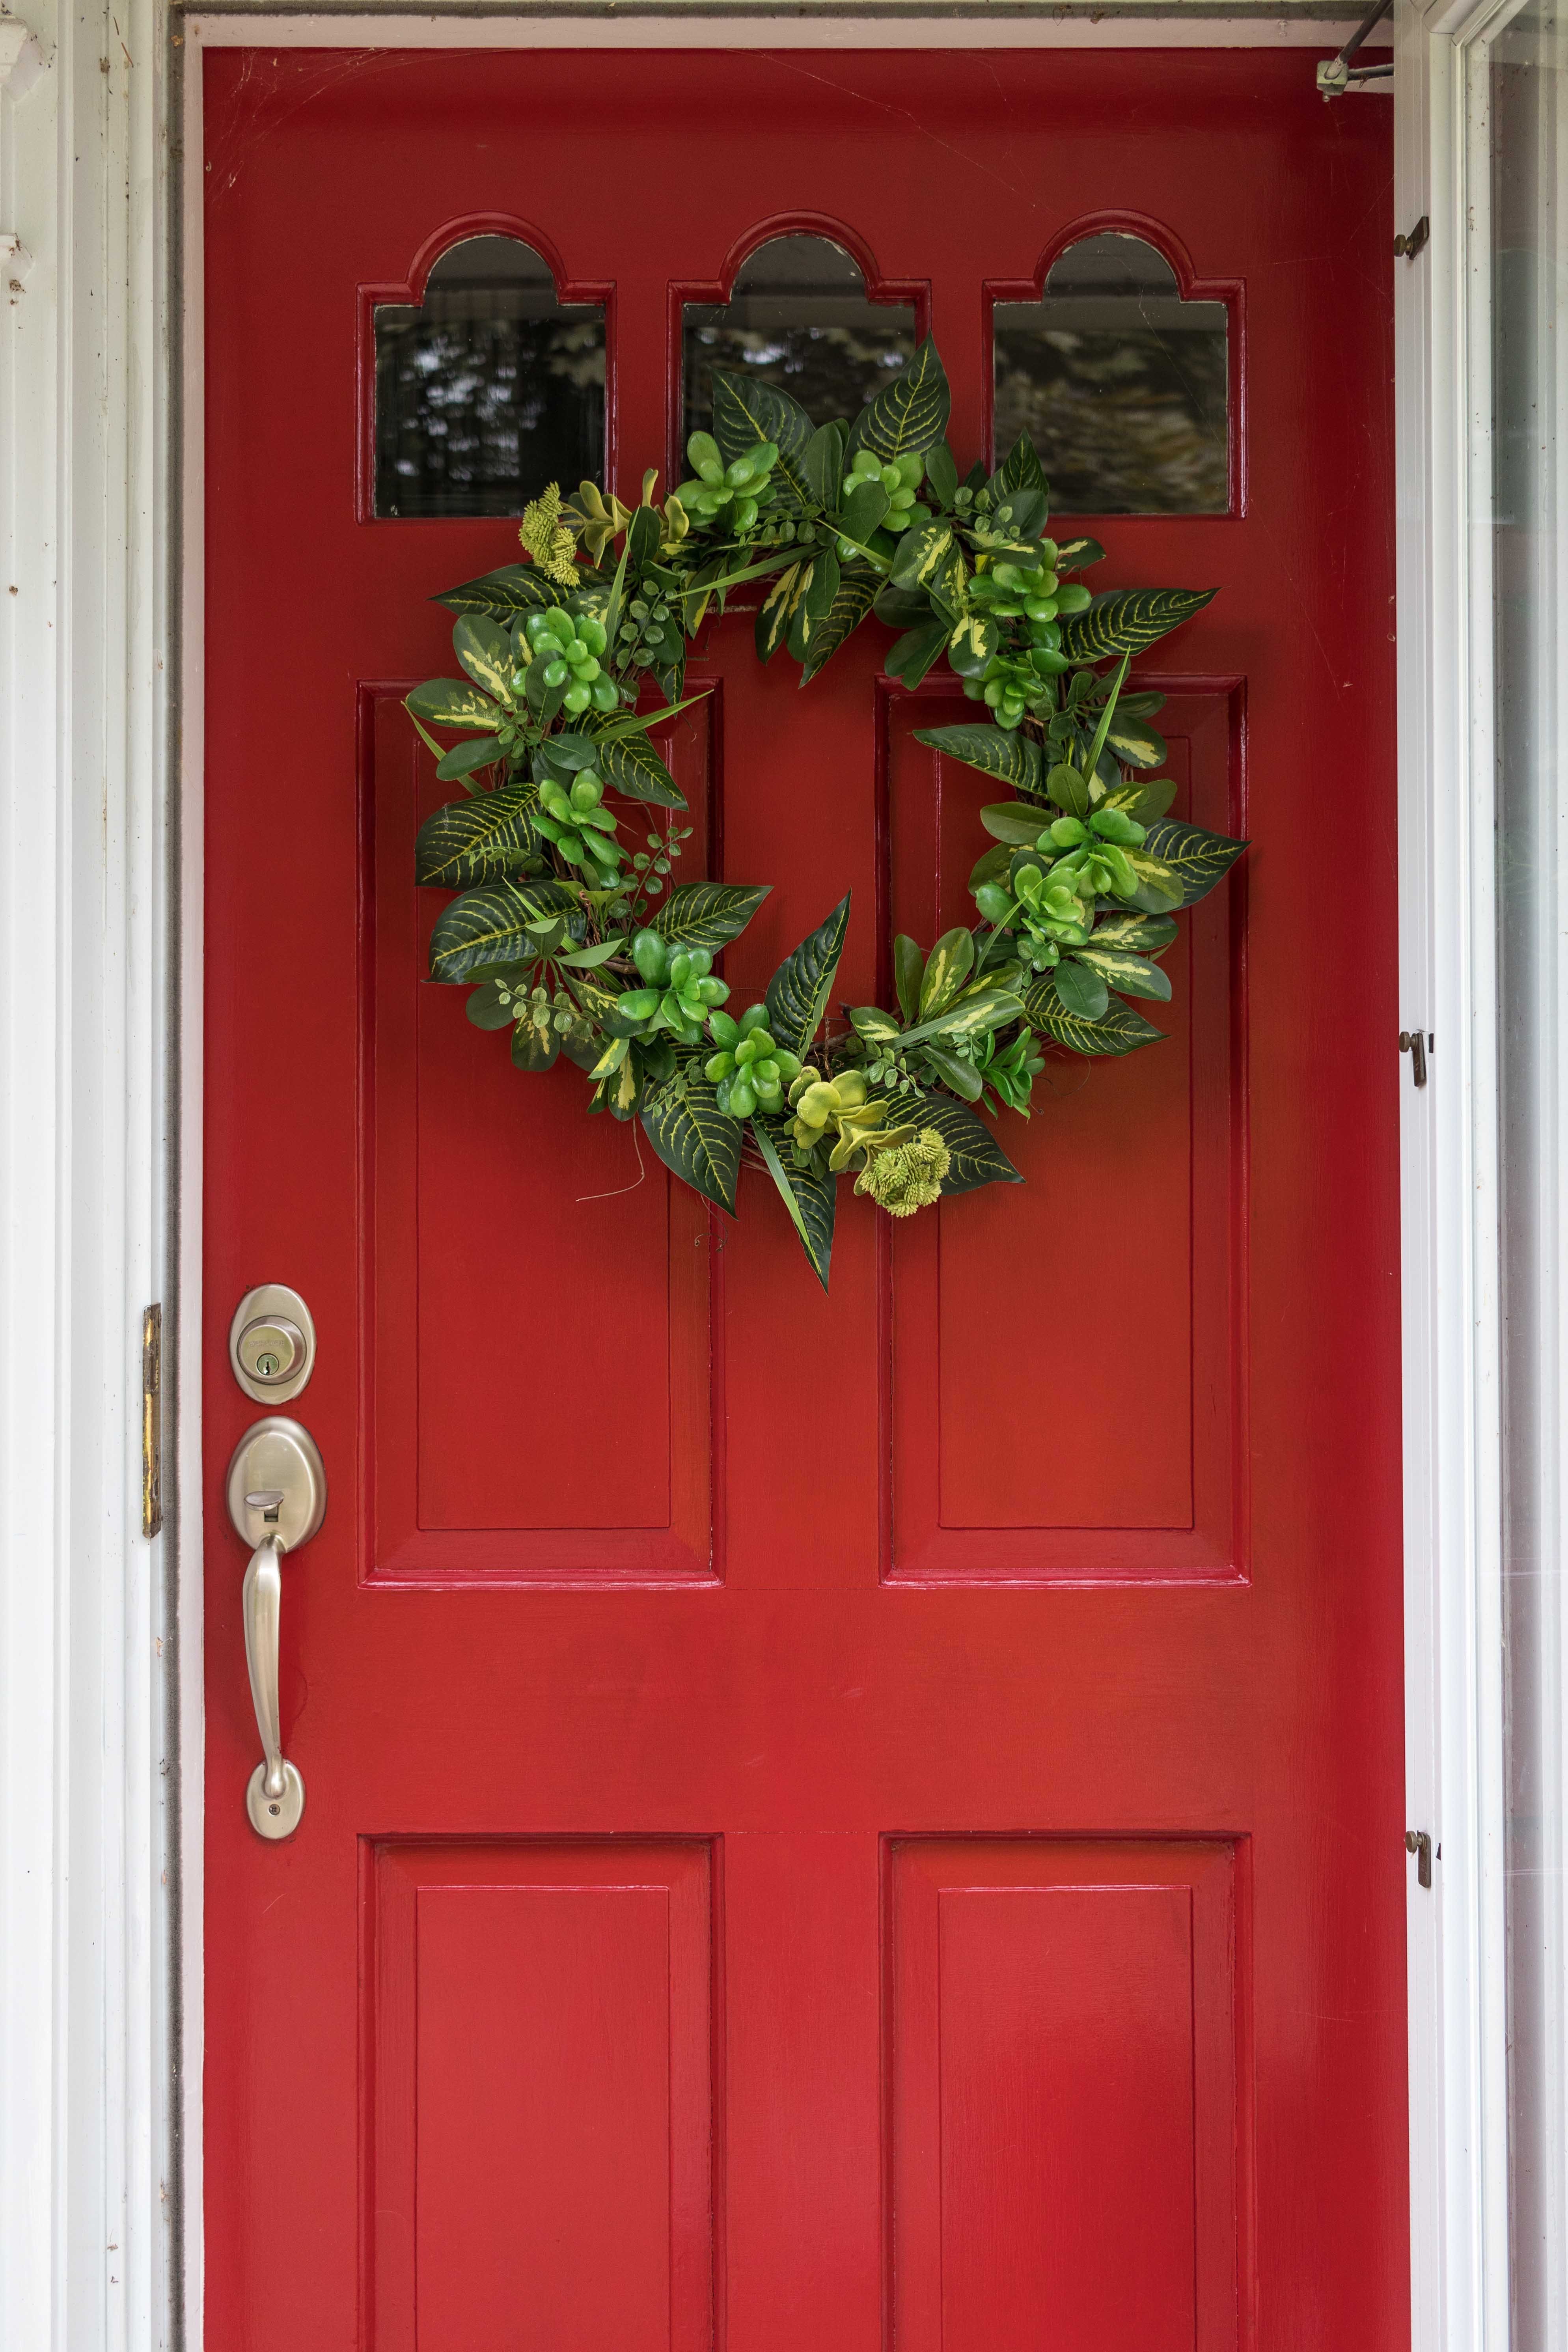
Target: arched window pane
488, 390
799, 316
1121, 385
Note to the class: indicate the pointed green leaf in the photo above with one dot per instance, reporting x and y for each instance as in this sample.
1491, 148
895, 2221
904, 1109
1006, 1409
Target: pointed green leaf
852, 599
485, 652
747, 412
709, 914
977, 1157
1135, 741
1128, 618
778, 609
476, 840
822, 463
864, 508
1021, 822
810, 1199
1021, 468
515, 588
1198, 860
1143, 934
1144, 801
798, 992
963, 1077
910, 413
463, 759
1012, 759
490, 926
1074, 555
909, 970
922, 553
453, 702
485, 1008
695, 1140
948, 966
629, 764
1120, 1030
942, 474
915, 652
1133, 975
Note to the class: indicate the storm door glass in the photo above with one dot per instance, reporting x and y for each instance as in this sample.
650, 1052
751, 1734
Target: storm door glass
799, 315
488, 390
1121, 384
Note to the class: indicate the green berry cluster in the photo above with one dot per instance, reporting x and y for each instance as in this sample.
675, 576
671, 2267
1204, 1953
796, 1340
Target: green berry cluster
901, 478
1053, 906
581, 829
571, 645
649, 634
680, 991
749, 1072
734, 494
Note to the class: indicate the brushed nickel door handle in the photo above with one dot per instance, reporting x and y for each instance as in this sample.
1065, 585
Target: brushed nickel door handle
276, 1500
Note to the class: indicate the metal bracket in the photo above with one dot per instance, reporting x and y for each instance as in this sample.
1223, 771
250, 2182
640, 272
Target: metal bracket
1411, 241
1417, 1044
1419, 1843
1339, 75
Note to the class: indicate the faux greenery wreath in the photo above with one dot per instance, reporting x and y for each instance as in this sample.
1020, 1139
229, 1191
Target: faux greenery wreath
578, 944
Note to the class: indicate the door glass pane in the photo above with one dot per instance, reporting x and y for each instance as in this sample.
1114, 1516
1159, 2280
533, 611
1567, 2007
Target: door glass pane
488, 390
1121, 385
800, 317
1527, 115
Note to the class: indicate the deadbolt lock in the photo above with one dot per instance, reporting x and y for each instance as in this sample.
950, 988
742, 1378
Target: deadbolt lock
272, 1343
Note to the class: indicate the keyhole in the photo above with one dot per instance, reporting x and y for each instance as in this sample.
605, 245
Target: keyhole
264, 1367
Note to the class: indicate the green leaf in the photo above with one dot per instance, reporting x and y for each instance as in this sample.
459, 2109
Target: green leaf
476, 840
1134, 742
810, 1199
1143, 800
960, 1076
822, 463
630, 765
490, 926
1021, 470
864, 508
534, 1047
852, 599
1016, 822
1143, 934
907, 415
909, 970
484, 1007
915, 652
941, 473
643, 534
972, 645
709, 914
977, 1157
1120, 1030
695, 1140
1198, 860
515, 588
877, 1027
1068, 788
453, 702
1127, 619
778, 609
1074, 555
464, 758
902, 608
747, 412
638, 721
486, 653
1159, 885
922, 553
1012, 759
1133, 975
949, 965
798, 992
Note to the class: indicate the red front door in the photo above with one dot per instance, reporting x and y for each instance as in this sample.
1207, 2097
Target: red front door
838, 1819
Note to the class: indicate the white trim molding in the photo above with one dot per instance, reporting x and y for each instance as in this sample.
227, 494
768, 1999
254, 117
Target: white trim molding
85, 1788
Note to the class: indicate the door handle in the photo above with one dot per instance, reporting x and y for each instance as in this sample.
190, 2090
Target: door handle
276, 1500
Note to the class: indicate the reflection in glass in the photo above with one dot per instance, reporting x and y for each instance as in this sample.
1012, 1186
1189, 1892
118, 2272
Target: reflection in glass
488, 390
1121, 384
799, 316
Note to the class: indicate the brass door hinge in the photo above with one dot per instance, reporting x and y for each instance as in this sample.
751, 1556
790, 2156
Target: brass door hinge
1419, 1843
151, 1420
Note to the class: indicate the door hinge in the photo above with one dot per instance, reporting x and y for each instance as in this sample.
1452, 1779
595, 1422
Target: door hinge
1417, 1044
1419, 1843
151, 1420
1409, 242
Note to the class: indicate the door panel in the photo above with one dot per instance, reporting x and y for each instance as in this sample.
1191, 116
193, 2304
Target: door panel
855, 1821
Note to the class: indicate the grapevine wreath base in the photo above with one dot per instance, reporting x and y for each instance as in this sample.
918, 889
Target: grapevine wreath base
581, 944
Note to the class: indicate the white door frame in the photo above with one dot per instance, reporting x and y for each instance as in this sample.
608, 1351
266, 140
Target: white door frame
101, 1738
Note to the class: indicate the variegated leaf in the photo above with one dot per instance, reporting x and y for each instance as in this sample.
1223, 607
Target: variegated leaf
922, 554
453, 702
972, 645
1135, 741
490, 926
798, 992
1127, 619
857, 586
473, 841
1012, 759
709, 914
977, 1156
1119, 1032
515, 588
1133, 975
1021, 468
948, 966
695, 1140
486, 653
1195, 857
1141, 934
810, 1198
908, 415
1150, 797
747, 412
778, 609
629, 764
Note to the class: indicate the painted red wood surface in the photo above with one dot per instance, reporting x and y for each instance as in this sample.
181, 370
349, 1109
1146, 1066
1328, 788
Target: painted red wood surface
841, 1821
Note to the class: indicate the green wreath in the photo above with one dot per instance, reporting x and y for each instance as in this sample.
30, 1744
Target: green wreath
583, 946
